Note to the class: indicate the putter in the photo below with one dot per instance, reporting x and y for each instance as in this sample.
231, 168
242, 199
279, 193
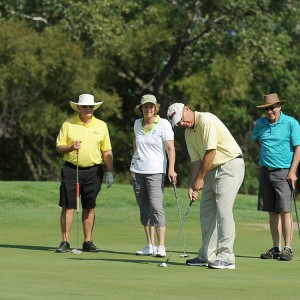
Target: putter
294, 198
165, 264
180, 219
77, 251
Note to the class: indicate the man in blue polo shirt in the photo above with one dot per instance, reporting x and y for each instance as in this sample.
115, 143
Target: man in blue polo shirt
278, 138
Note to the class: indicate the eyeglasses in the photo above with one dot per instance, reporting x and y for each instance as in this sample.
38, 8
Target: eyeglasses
271, 107
87, 106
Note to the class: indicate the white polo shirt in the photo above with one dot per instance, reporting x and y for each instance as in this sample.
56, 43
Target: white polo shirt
150, 156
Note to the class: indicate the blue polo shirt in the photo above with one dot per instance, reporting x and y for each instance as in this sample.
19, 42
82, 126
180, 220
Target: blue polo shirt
277, 141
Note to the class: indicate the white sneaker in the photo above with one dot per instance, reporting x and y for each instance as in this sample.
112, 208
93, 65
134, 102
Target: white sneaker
161, 251
147, 250
154, 250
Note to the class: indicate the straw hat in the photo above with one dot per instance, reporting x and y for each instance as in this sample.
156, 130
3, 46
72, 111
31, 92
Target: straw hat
85, 99
271, 99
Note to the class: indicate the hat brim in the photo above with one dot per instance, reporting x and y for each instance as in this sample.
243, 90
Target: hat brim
75, 107
270, 104
149, 102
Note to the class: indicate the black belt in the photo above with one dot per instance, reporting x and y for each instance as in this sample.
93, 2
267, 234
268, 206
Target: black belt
79, 168
274, 169
240, 156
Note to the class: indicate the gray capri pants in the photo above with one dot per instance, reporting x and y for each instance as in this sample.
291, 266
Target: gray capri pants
148, 190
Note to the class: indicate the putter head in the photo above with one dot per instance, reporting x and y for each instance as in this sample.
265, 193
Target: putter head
184, 255
163, 264
76, 251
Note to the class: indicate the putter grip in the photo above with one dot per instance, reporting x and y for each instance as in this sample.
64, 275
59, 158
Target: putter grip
77, 197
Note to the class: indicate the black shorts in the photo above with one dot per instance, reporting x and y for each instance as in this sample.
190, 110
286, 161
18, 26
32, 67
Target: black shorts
275, 194
89, 179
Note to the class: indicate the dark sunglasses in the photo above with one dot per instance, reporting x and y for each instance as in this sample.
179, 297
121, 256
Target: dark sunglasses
271, 107
87, 106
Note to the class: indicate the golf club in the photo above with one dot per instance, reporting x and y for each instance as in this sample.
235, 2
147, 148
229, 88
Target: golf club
165, 264
180, 219
294, 198
77, 251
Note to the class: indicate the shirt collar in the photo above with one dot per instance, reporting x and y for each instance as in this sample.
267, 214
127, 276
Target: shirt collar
156, 120
79, 121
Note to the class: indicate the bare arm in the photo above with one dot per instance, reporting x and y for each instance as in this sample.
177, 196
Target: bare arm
63, 149
134, 144
195, 167
206, 164
108, 160
292, 176
170, 149
257, 146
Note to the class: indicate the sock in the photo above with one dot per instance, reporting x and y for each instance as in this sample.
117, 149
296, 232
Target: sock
277, 249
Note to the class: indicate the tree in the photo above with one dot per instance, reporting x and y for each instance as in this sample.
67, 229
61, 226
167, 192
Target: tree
215, 55
36, 85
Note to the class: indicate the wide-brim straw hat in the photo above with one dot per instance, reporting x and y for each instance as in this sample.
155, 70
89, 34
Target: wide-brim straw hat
271, 99
85, 99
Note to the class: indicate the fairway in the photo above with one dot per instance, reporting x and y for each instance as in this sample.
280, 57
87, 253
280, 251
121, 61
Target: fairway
30, 269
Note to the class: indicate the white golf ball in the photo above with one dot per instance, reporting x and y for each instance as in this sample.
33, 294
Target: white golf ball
163, 265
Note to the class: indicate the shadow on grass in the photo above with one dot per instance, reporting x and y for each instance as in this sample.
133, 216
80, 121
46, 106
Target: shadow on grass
245, 256
131, 261
27, 247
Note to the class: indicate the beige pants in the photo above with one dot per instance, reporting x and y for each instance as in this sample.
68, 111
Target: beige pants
221, 186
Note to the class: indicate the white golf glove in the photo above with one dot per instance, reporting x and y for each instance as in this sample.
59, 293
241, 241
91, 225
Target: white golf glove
109, 179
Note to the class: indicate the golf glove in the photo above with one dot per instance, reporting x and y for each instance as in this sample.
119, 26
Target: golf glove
109, 179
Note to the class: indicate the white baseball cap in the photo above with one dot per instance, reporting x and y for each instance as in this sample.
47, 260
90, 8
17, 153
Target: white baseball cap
175, 113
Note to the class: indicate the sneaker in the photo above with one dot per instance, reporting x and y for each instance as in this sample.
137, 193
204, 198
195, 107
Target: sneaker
286, 254
63, 247
89, 247
270, 254
196, 262
161, 251
220, 264
147, 250
154, 250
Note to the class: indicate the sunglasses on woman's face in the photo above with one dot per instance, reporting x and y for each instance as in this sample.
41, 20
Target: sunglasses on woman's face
272, 107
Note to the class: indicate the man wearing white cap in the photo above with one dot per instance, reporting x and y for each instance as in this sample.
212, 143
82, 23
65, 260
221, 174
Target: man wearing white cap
85, 143
217, 168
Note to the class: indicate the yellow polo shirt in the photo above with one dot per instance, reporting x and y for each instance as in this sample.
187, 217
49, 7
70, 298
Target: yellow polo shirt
210, 133
94, 139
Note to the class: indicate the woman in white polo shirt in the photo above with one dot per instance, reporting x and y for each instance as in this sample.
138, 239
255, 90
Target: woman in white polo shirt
154, 145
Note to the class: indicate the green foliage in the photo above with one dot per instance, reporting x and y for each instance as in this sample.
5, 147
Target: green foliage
215, 55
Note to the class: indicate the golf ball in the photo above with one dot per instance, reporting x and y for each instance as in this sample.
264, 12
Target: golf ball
163, 265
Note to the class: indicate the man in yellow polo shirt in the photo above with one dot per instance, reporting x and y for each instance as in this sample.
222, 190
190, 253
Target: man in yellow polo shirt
85, 143
217, 168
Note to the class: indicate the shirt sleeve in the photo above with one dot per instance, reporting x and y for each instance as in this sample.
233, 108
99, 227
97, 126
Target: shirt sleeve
167, 132
105, 145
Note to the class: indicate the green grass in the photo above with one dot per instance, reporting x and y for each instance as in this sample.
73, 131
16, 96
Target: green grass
30, 231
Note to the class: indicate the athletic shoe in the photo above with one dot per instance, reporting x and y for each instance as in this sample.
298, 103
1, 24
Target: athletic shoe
161, 251
271, 254
63, 247
286, 254
196, 262
220, 264
147, 250
89, 247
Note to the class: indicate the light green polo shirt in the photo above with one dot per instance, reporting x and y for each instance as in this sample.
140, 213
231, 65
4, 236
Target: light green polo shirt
94, 139
210, 133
